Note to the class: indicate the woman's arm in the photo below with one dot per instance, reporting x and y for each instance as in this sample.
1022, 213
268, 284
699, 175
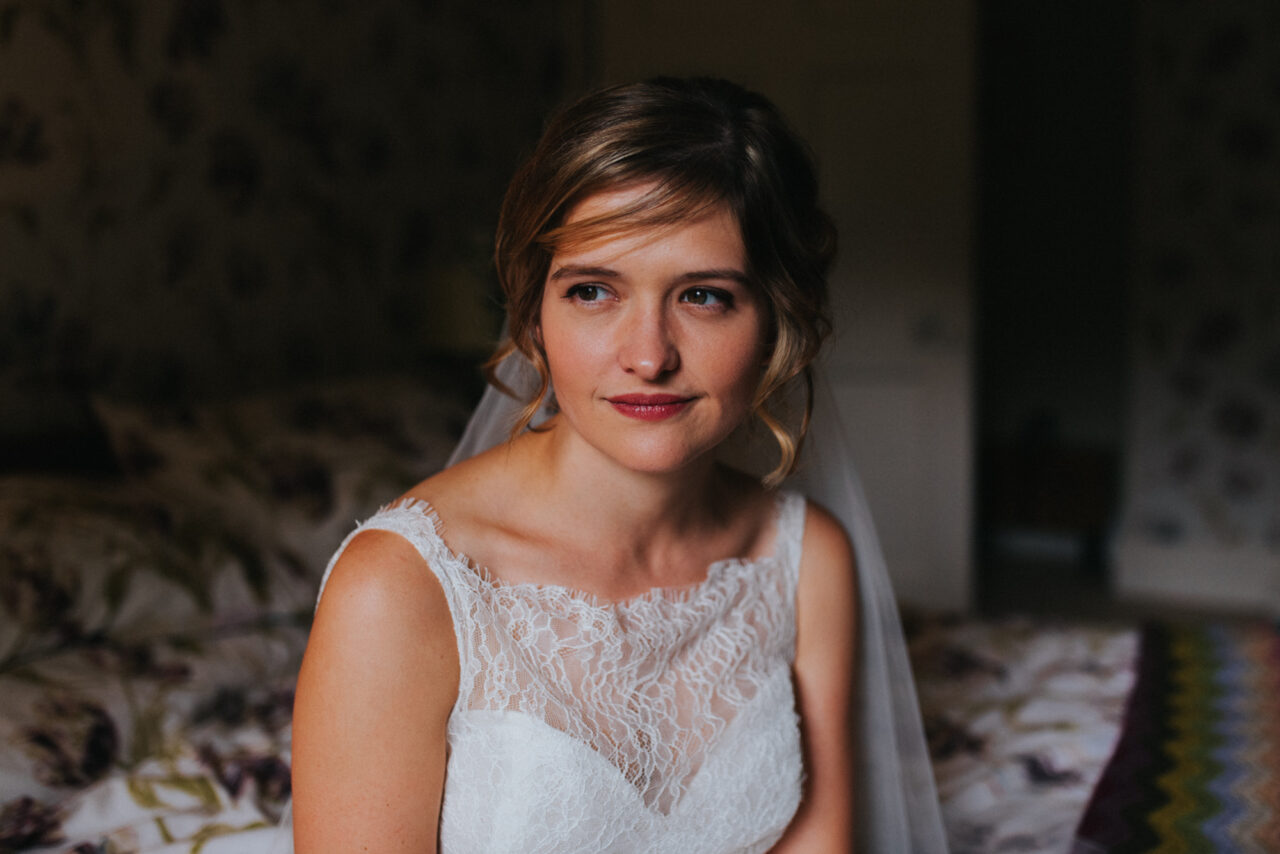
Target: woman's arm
378, 681
825, 676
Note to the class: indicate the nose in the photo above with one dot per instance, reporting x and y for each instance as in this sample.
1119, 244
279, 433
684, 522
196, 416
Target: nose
647, 348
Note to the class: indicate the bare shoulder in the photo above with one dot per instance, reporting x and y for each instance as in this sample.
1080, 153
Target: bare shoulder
382, 603
827, 552
381, 575
827, 590
378, 682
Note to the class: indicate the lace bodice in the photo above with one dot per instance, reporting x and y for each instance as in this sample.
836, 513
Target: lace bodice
661, 723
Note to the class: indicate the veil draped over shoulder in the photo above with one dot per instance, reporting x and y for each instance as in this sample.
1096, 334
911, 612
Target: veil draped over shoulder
898, 803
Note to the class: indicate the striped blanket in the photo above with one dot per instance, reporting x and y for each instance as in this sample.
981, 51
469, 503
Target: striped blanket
1197, 766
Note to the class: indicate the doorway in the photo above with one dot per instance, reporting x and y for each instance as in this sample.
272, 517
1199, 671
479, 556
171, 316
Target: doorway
1052, 254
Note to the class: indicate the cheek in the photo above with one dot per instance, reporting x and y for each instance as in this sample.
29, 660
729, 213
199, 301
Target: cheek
739, 363
572, 356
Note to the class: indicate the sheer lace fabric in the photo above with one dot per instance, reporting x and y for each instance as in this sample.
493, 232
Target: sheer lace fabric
661, 723
897, 799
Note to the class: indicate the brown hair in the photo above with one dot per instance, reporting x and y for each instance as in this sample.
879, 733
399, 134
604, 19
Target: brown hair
701, 142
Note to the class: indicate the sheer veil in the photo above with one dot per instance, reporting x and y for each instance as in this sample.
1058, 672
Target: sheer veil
898, 802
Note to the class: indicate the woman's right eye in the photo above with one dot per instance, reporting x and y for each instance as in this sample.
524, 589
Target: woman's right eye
585, 293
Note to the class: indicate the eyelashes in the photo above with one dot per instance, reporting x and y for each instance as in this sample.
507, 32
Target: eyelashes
710, 297
702, 297
587, 292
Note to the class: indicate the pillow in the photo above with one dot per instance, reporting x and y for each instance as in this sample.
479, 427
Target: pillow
81, 560
291, 471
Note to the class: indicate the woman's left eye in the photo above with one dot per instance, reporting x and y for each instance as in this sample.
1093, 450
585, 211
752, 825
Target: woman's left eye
707, 296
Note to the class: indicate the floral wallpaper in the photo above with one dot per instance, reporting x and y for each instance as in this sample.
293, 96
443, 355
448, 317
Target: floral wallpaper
202, 195
1205, 423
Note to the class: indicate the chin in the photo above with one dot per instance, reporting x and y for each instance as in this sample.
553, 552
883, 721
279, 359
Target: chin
660, 458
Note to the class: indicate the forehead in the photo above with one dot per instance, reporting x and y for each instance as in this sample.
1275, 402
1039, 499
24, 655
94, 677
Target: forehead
639, 215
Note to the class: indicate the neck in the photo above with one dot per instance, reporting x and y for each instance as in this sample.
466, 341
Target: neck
603, 499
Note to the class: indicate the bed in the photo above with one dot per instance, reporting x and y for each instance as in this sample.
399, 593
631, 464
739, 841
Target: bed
153, 615
1081, 738
152, 619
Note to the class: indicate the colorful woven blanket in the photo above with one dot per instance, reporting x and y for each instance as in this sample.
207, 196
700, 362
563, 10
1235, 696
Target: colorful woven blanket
1197, 767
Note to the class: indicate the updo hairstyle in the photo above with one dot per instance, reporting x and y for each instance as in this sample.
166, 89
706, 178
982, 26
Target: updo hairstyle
701, 142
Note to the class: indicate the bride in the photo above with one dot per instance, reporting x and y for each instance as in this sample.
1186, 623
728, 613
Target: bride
597, 635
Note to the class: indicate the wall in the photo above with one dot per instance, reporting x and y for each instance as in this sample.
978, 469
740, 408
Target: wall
205, 195
1202, 518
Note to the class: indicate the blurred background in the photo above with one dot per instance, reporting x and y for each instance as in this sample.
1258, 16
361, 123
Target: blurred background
1058, 296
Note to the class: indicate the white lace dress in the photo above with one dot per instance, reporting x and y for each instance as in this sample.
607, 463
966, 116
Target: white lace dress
662, 723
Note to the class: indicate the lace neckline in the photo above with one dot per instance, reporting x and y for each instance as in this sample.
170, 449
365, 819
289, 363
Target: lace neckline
673, 594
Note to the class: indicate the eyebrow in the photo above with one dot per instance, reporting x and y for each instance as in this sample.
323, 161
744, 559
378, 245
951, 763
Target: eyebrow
571, 270
729, 274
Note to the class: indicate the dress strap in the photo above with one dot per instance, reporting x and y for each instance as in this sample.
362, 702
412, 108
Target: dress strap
417, 522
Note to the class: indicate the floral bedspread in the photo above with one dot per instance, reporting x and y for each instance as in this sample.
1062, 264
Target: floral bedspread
151, 626
1021, 718
157, 746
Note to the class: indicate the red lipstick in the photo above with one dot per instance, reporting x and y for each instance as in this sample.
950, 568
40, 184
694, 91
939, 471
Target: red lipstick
650, 407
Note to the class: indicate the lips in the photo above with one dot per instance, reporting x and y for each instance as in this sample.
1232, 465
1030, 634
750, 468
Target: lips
650, 407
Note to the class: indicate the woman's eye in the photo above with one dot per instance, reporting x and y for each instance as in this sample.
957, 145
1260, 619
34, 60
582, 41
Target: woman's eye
707, 296
585, 293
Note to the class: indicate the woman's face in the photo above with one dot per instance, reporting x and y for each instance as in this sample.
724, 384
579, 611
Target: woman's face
654, 339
